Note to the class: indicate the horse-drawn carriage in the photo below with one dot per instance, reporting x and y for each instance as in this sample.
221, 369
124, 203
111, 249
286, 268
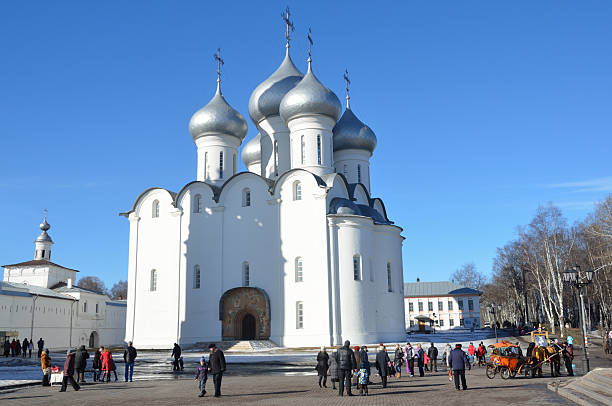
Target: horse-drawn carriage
504, 359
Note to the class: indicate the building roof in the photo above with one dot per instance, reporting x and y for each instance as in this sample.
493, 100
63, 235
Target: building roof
19, 289
39, 262
62, 287
418, 289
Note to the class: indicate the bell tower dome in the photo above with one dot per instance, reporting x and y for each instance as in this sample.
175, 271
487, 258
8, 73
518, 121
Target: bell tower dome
43, 242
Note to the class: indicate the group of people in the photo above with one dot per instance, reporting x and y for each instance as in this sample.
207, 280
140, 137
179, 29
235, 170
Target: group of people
17, 348
556, 351
215, 365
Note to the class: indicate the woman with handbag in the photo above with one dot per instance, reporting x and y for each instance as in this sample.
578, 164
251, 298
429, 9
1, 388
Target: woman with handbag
398, 360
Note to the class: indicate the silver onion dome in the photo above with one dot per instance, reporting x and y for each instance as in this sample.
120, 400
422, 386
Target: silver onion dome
217, 117
351, 133
251, 153
310, 96
266, 98
44, 237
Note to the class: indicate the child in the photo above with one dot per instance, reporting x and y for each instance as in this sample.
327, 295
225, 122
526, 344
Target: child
202, 375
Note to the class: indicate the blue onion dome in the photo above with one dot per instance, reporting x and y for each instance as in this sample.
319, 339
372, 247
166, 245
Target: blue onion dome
266, 98
251, 153
217, 117
310, 97
351, 133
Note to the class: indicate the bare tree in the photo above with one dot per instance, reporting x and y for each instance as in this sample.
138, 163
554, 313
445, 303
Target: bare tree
467, 275
93, 283
119, 291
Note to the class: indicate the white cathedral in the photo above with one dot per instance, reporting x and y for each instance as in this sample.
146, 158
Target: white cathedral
295, 250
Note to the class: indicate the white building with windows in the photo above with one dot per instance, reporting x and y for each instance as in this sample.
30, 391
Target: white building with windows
39, 299
295, 250
441, 305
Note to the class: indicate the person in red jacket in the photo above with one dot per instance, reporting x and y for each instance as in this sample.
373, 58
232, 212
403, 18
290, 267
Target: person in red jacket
69, 373
106, 359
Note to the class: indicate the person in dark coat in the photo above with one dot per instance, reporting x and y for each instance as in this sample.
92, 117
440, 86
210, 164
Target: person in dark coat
568, 357
17, 348
216, 366
201, 376
26, 344
69, 373
382, 364
398, 360
13, 347
355, 378
7, 348
322, 365
432, 353
176, 353
41, 346
345, 357
97, 365
129, 356
457, 362
420, 360
333, 369
80, 363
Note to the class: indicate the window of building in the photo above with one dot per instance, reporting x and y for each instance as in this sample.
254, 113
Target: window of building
471, 305
206, 166
411, 323
357, 267
221, 164
299, 267
302, 149
460, 302
410, 307
358, 173
197, 204
451, 322
420, 306
246, 274
196, 277
440, 306
154, 213
297, 190
97, 308
450, 305
461, 322
430, 306
319, 149
153, 285
246, 197
299, 315
389, 278
441, 323
84, 307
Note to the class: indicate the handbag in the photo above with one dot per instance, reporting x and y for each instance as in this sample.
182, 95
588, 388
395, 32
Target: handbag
450, 375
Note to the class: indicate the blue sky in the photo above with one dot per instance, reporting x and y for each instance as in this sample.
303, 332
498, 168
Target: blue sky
483, 110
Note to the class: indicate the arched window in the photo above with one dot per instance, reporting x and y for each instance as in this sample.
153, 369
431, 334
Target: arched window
299, 315
153, 285
221, 165
84, 307
196, 277
299, 267
246, 274
358, 173
206, 166
246, 197
154, 209
319, 149
302, 149
357, 267
197, 204
297, 190
389, 278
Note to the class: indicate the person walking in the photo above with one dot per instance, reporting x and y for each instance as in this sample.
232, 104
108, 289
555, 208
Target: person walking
30, 348
41, 346
432, 353
472, 353
176, 353
97, 365
457, 362
333, 369
80, 363
201, 376
480, 353
322, 365
420, 360
45, 365
106, 364
7, 348
398, 360
18, 348
410, 354
346, 366
568, 357
13, 347
69, 373
355, 378
26, 345
129, 356
364, 371
382, 364
216, 366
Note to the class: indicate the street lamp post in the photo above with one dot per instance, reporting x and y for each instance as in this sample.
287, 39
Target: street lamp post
493, 311
523, 270
580, 279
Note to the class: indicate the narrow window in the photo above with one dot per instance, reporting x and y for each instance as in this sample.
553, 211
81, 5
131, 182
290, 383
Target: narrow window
420, 306
460, 304
389, 278
246, 274
197, 204
461, 322
153, 285
440, 306
441, 323
196, 277
471, 305
43, 253
358, 173
303, 149
97, 309
410, 307
299, 315
234, 166
319, 149
246, 197
221, 165
206, 166
299, 276
276, 158
411, 323
450, 305
430, 306
154, 214
297, 190
84, 307
357, 267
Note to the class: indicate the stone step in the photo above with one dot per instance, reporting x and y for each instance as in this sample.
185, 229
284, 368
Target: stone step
574, 396
240, 346
579, 386
602, 376
596, 388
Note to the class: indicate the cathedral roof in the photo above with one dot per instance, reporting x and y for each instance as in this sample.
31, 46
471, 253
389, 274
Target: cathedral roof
251, 153
342, 206
38, 262
217, 117
266, 98
351, 133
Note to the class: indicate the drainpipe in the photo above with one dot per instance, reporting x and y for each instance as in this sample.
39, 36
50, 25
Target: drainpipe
34, 297
70, 337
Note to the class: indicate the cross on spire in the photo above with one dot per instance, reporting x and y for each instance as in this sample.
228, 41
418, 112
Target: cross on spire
220, 63
289, 25
310, 43
348, 82
45, 214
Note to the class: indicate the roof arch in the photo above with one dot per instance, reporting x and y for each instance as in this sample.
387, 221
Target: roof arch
179, 195
378, 201
318, 179
145, 193
356, 188
267, 182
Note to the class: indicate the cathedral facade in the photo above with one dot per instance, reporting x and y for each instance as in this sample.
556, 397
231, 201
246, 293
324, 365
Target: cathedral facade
295, 250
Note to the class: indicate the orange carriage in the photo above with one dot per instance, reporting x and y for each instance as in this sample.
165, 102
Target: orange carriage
504, 359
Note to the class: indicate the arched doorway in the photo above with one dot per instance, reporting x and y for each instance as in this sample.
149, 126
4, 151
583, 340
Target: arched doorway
245, 314
248, 327
93, 340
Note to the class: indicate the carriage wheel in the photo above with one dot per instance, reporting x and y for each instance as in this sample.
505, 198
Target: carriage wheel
491, 371
513, 373
505, 373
